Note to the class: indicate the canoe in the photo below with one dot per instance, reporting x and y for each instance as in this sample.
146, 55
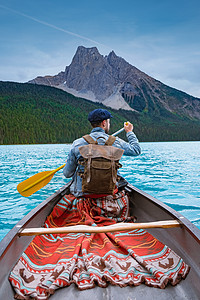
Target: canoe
184, 240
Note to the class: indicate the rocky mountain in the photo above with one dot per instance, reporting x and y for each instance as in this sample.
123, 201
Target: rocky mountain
114, 82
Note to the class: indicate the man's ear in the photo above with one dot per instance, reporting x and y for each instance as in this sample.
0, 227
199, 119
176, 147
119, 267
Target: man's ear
104, 123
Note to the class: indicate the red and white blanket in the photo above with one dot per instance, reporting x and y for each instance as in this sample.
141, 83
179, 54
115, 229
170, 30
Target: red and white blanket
120, 258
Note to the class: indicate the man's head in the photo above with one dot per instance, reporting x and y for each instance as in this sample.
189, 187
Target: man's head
100, 118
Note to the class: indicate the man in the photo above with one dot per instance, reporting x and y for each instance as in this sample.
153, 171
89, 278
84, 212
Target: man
100, 121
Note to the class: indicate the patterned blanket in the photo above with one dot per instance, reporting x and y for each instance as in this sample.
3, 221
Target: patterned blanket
120, 258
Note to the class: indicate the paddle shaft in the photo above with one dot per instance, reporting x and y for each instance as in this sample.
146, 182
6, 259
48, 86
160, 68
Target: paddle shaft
98, 229
117, 132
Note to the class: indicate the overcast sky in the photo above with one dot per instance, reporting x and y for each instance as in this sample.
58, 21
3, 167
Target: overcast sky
161, 38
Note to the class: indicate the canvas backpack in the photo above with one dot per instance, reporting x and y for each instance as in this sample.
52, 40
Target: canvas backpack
100, 165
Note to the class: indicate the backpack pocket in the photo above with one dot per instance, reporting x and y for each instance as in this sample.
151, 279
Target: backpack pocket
102, 180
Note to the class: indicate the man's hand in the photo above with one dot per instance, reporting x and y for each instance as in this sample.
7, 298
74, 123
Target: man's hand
128, 127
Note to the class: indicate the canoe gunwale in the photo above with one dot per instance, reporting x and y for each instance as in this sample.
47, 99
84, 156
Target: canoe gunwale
191, 228
10, 236
14, 232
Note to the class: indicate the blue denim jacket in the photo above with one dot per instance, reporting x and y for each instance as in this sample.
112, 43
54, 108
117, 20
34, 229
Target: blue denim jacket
71, 168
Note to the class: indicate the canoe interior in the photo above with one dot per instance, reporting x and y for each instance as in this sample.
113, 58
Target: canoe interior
185, 241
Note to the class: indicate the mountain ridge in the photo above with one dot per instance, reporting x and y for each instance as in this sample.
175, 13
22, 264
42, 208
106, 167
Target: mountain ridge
114, 82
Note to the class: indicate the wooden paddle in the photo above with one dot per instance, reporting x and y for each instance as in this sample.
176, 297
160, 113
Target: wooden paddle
34, 183
96, 229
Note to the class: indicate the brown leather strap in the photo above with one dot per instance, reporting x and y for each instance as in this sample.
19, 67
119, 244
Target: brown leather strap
89, 139
110, 140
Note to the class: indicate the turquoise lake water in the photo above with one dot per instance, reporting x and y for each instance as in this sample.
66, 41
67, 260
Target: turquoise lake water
169, 171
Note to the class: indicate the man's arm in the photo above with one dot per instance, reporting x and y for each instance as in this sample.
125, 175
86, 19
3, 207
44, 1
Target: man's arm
131, 147
71, 165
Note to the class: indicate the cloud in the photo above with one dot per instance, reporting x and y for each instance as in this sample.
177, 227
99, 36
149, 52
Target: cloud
30, 63
165, 60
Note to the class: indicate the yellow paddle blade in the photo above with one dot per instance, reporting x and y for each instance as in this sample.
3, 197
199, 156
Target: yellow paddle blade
36, 182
